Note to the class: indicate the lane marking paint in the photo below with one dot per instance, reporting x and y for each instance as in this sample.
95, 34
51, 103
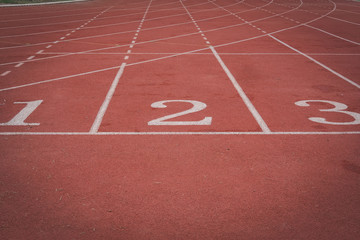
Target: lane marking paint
124, 23
317, 62
222, 53
242, 94
58, 79
99, 117
161, 58
5, 73
173, 133
161, 39
19, 64
39, 52
331, 34
96, 125
116, 16
31, 57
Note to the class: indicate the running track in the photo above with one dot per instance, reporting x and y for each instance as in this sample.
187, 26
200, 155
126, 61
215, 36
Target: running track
95, 143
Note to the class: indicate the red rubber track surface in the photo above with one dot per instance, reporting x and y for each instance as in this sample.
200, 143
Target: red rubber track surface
270, 149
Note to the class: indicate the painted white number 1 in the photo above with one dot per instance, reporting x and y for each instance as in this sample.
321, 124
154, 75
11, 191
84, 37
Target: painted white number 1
19, 119
338, 107
197, 106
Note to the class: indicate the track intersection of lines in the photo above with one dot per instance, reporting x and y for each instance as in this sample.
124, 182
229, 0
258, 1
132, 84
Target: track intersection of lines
180, 119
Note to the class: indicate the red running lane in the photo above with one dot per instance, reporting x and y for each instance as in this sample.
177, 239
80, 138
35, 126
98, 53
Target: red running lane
301, 181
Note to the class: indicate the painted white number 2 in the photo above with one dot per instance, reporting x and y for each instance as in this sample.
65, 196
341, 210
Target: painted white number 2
197, 106
19, 119
338, 107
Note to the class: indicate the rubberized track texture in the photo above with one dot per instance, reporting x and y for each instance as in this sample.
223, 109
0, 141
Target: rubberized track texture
180, 119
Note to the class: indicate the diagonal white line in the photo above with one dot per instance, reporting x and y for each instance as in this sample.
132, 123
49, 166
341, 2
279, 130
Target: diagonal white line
317, 62
242, 94
96, 125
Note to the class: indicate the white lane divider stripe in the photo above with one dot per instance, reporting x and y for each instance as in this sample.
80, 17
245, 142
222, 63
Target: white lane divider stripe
49, 46
96, 125
172, 133
242, 94
5, 73
317, 62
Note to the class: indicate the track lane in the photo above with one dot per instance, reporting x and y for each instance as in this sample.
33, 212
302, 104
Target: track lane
162, 186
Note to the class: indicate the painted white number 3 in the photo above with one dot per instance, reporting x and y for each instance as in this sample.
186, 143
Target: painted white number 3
338, 107
197, 106
19, 119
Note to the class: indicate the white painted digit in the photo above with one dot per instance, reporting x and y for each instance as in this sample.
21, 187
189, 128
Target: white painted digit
197, 106
338, 107
19, 119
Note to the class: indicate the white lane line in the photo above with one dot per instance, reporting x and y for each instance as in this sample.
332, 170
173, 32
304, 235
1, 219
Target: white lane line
345, 39
116, 16
173, 133
40, 52
237, 87
19, 65
117, 32
242, 94
157, 59
317, 62
58, 79
183, 35
5, 73
62, 38
342, 20
321, 30
96, 125
49, 46
222, 53
31, 57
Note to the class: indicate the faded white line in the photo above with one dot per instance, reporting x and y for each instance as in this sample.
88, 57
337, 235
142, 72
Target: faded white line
331, 34
171, 133
317, 62
96, 125
242, 94
5, 73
